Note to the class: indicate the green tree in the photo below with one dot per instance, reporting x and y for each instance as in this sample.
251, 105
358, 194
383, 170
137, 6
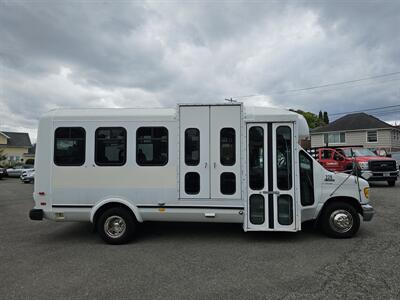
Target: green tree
326, 118
320, 115
2, 155
312, 119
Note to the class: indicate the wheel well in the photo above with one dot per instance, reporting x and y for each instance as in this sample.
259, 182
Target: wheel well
108, 205
350, 200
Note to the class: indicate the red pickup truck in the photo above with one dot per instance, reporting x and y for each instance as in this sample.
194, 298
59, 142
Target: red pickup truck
373, 167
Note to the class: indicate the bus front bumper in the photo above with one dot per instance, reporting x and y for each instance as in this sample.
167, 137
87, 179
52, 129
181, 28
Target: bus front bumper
36, 214
368, 212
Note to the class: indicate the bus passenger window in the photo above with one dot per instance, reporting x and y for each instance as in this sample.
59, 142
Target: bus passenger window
256, 158
192, 146
110, 146
152, 146
228, 183
306, 179
227, 146
69, 146
284, 157
192, 183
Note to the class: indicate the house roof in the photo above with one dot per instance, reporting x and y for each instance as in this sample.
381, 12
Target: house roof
17, 139
3, 134
357, 121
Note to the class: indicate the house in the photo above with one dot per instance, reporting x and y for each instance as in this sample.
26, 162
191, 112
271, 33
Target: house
15, 146
29, 157
357, 129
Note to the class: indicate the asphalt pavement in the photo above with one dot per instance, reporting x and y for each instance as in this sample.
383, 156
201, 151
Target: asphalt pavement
47, 260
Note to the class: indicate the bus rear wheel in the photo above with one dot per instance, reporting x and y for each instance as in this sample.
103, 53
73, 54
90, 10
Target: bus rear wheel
116, 226
340, 220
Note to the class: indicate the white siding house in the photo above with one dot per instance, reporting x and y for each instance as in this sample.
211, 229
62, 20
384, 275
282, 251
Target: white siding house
358, 129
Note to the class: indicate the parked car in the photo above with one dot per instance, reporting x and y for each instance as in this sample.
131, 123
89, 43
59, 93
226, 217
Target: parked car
17, 170
371, 166
3, 173
28, 176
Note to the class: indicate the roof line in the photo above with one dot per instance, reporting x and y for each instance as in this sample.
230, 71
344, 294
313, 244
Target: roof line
5, 134
361, 129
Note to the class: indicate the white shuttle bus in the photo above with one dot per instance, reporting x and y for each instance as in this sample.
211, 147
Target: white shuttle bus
197, 163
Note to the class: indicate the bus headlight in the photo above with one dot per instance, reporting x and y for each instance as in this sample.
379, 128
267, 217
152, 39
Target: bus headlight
366, 192
363, 165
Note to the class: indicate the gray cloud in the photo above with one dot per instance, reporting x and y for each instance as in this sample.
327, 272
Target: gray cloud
157, 54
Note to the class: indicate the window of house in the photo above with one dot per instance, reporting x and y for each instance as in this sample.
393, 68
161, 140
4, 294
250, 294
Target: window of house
69, 146
335, 138
372, 136
227, 146
110, 146
152, 146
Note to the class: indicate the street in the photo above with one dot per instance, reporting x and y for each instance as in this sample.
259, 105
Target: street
48, 260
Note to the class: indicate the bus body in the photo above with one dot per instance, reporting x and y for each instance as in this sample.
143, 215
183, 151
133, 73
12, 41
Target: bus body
196, 163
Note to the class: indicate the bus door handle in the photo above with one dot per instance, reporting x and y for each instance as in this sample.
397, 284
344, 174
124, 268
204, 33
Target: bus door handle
270, 193
205, 165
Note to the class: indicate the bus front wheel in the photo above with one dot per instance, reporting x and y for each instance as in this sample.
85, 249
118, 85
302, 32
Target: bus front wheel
340, 220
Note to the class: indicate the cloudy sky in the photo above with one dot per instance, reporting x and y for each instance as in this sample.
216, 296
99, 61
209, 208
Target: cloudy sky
151, 54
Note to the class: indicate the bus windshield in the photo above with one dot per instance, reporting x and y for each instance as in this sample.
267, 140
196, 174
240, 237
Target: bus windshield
358, 152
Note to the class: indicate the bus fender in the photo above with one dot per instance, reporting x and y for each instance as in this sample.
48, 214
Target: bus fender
124, 202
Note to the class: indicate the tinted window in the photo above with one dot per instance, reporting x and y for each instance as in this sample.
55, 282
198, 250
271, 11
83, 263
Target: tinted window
285, 210
257, 209
192, 183
69, 146
152, 146
326, 154
192, 146
256, 158
228, 183
306, 179
284, 157
227, 146
110, 146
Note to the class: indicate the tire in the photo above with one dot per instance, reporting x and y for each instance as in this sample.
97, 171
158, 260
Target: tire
391, 182
124, 225
340, 220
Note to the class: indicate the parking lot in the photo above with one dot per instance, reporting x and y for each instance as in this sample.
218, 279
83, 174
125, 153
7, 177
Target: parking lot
171, 260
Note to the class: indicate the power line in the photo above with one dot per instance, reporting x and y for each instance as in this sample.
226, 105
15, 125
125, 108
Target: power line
344, 87
326, 85
368, 109
382, 113
341, 82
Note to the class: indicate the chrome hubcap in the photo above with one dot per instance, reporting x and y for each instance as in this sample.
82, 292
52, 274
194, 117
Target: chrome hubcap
114, 227
341, 221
